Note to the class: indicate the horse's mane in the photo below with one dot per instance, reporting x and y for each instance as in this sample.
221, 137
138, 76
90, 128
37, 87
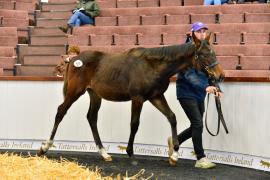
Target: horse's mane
163, 53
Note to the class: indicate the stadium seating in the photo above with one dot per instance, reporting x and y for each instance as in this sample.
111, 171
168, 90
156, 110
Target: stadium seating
240, 33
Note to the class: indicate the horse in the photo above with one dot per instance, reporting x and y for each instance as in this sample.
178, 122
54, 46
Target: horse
139, 74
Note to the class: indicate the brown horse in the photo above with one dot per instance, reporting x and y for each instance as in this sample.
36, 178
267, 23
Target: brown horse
139, 74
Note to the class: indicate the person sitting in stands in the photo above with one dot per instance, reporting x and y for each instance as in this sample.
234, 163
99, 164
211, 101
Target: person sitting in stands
214, 2
61, 67
84, 13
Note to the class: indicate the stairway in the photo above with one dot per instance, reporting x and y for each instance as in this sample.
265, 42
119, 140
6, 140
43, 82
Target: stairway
46, 42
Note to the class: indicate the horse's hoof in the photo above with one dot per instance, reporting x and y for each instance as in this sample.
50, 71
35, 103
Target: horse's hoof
40, 152
107, 159
172, 162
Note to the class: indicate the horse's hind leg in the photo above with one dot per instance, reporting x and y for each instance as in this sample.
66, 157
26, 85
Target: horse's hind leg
92, 115
161, 104
72, 95
135, 121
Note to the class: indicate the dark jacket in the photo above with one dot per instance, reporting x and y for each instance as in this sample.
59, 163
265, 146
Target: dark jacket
90, 7
191, 84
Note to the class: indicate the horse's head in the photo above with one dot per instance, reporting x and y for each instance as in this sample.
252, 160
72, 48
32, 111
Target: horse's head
205, 59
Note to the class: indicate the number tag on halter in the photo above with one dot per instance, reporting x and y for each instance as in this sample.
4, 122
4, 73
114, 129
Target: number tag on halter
78, 63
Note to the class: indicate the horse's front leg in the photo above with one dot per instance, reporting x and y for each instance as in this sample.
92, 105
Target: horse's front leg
92, 116
161, 104
136, 108
71, 96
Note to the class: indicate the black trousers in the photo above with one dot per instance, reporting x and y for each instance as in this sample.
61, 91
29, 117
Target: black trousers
194, 111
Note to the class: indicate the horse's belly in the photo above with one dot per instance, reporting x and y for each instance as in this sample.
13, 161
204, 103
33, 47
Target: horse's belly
111, 94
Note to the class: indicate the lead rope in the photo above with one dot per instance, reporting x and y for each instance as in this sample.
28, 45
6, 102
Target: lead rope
220, 116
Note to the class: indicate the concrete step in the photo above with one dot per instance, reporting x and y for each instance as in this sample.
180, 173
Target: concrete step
24, 50
50, 49
54, 14
46, 31
46, 71
7, 62
48, 40
57, 6
48, 22
7, 51
42, 59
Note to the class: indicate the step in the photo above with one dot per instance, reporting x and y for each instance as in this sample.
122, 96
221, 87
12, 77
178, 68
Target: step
257, 17
249, 75
50, 49
48, 40
55, 14
127, 3
7, 51
48, 22
24, 50
228, 62
245, 38
148, 3
13, 22
193, 2
106, 3
8, 31
58, 6
47, 71
42, 59
7, 62
170, 3
46, 31
255, 62
17, 14
28, 6
8, 41
180, 10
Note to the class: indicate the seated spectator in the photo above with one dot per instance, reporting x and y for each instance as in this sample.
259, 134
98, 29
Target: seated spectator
61, 67
84, 13
214, 2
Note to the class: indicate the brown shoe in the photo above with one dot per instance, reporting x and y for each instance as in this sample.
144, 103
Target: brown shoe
64, 28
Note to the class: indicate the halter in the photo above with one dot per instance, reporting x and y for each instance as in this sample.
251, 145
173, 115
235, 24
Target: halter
206, 67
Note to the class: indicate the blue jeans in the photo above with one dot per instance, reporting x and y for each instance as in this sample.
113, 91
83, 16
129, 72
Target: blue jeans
214, 2
78, 18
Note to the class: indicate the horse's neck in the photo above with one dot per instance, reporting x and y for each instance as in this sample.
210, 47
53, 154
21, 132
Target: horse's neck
174, 59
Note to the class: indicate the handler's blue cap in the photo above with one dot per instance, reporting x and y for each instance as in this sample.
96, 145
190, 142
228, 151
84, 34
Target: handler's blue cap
197, 26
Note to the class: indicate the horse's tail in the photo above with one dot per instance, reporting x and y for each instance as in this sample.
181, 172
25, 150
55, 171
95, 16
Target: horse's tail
65, 79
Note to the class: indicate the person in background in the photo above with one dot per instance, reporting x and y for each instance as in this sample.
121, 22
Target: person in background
191, 88
60, 68
84, 13
214, 2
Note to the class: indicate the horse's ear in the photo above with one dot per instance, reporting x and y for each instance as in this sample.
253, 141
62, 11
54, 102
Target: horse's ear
208, 37
195, 40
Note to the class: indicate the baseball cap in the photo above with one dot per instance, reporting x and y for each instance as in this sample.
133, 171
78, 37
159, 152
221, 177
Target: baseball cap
197, 26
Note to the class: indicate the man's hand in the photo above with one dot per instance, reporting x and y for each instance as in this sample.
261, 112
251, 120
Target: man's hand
213, 90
